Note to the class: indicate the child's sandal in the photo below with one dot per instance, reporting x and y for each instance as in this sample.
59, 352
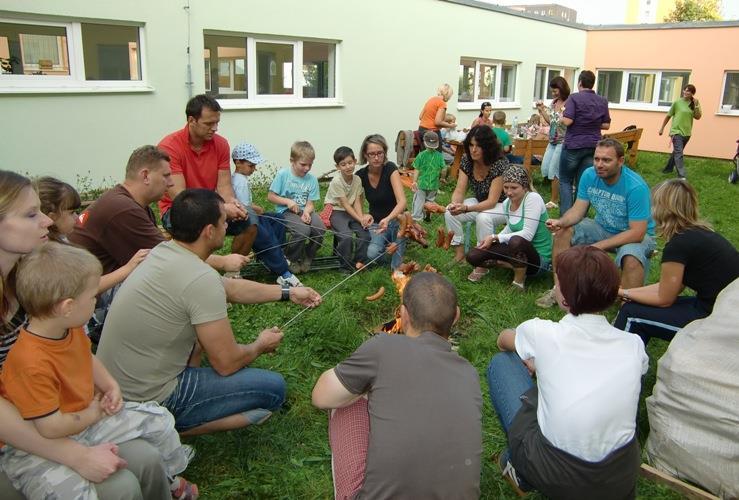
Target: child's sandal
184, 490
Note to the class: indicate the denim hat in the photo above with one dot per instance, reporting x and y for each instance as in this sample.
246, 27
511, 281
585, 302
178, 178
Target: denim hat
247, 152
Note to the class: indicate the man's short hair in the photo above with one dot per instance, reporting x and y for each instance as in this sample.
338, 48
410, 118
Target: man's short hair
302, 150
52, 273
192, 210
195, 105
142, 157
431, 302
612, 143
588, 279
587, 79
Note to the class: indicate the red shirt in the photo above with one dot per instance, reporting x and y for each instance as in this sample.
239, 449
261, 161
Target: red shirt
200, 168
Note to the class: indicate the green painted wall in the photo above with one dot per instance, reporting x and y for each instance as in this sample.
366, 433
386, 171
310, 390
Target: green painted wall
393, 55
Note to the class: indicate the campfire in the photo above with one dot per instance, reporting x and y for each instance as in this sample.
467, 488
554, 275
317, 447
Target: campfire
400, 278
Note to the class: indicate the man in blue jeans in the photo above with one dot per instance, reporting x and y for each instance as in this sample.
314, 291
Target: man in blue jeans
585, 115
623, 222
173, 307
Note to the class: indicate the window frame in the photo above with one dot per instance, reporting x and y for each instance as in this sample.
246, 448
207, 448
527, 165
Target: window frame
496, 100
75, 82
547, 69
721, 111
254, 100
651, 105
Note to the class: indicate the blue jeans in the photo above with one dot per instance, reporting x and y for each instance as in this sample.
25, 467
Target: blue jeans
508, 380
587, 232
379, 242
572, 164
270, 235
202, 396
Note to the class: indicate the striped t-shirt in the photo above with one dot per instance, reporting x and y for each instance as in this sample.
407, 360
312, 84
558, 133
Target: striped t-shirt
9, 333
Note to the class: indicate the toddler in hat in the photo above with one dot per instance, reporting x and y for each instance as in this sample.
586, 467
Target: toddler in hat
427, 166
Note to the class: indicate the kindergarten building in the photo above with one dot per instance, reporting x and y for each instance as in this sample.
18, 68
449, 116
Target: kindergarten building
84, 83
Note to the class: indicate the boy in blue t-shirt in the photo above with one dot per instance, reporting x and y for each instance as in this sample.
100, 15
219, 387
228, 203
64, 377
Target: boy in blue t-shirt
293, 192
427, 166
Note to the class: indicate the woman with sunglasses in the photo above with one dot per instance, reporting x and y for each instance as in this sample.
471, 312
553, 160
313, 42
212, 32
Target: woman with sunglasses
385, 196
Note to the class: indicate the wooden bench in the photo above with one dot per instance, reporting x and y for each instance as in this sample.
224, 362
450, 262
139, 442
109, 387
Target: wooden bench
684, 489
630, 140
528, 148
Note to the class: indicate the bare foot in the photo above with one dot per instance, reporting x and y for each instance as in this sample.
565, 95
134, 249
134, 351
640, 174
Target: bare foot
459, 253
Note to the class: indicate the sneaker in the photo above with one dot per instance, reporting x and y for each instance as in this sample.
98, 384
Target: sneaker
550, 205
667, 170
509, 474
547, 299
291, 280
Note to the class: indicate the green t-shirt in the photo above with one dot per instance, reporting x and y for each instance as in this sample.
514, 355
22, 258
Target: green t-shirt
682, 118
503, 136
429, 163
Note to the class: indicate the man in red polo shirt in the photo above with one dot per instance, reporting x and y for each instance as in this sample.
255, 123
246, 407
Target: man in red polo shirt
200, 158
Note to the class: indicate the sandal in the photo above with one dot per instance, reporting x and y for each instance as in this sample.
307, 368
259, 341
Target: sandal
477, 275
184, 490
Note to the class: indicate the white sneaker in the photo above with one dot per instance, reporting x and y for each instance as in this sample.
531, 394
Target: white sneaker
292, 280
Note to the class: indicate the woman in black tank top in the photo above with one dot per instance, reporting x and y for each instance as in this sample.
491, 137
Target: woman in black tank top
385, 196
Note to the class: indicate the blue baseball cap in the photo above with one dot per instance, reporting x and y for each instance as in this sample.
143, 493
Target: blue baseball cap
245, 151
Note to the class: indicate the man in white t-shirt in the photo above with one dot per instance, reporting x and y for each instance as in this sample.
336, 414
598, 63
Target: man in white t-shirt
573, 435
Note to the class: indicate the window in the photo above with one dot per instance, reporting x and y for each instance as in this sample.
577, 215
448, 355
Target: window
671, 86
730, 99
480, 81
69, 55
544, 75
641, 88
258, 71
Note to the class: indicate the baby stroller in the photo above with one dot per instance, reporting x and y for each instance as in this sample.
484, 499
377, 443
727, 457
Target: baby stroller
734, 175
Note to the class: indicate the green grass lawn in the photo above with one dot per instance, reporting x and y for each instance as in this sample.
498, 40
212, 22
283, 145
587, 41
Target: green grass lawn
288, 457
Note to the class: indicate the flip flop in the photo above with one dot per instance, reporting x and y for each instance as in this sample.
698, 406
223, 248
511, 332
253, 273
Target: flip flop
476, 275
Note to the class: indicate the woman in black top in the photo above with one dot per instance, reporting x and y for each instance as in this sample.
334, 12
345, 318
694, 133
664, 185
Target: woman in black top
385, 196
694, 256
481, 169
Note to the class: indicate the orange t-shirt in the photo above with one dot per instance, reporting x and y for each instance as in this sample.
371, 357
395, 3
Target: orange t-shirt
41, 376
428, 115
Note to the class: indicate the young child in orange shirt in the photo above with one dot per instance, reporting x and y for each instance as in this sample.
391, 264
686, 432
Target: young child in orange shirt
53, 379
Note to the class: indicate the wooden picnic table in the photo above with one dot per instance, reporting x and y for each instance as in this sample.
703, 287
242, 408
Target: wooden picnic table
528, 148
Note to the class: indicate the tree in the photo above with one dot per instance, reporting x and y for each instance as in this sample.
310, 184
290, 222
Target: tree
695, 10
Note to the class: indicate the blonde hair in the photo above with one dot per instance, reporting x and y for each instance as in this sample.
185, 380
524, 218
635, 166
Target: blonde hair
11, 187
675, 208
445, 91
56, 196
302, 150
450, 117
52, 273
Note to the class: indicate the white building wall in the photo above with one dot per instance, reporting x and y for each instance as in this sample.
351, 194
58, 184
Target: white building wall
393, 55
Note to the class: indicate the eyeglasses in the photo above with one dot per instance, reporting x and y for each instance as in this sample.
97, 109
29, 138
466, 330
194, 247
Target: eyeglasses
376, 154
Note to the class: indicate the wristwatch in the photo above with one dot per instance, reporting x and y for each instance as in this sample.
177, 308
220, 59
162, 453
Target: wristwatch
285, 292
